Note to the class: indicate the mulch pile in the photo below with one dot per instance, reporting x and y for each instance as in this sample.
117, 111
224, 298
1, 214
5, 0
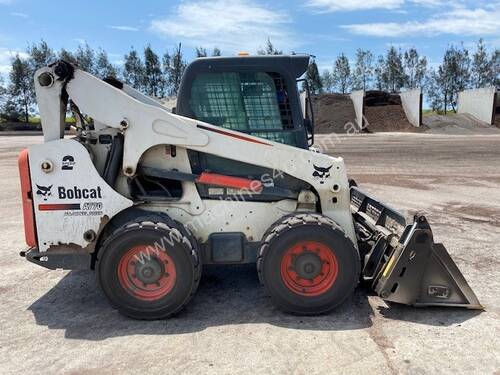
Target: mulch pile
384, 113
332, 112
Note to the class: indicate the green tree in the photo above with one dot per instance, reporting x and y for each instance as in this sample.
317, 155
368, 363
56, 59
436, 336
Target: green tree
313, 78
415, 69
363, 70
269, 49
458, 66
495, 66
380, 73
10, 110
133, 70
394, 72
173, 68
201, 52
103, 67
154, 82
482, 73
436, 93
85, 58
3, 98
67, 56
452, 76
21, 89
40, 55
3, 91
327, 81
342, 73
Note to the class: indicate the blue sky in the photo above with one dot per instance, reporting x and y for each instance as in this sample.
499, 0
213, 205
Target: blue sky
323, 28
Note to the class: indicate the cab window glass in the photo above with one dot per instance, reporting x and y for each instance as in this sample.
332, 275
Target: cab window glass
256, 103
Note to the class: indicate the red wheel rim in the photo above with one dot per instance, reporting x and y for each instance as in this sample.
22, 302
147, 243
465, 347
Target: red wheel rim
309, 268
146, 275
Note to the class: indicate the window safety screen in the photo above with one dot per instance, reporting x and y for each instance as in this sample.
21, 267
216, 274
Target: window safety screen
255, 103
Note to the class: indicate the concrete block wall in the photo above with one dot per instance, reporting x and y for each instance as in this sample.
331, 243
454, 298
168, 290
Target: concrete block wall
479, 103
357, 98
412, 105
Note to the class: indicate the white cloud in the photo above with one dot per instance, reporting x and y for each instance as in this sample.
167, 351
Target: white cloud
230, 25
430, 3
399, 6
351, 5
19, 14
123, 28
6, 56
459, 21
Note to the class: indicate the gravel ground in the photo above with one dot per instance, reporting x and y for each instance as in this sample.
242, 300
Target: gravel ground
58, 322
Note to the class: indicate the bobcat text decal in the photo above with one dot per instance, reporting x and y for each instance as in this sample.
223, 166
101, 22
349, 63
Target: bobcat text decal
73, 193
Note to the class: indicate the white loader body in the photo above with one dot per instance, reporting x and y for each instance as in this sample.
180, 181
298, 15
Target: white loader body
146, 197
147, 129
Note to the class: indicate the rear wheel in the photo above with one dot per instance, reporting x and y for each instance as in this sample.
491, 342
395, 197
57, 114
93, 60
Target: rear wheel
307, 264
149, 269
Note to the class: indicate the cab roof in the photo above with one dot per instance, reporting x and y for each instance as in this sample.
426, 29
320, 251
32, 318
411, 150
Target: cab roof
295, 65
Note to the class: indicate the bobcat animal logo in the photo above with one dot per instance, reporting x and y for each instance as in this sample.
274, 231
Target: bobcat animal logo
321, 173
44, 191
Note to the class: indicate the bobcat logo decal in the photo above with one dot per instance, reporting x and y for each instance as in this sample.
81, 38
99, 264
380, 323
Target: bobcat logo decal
44, 191
321, 173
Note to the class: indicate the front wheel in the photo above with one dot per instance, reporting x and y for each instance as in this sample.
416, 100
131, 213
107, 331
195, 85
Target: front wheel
307, 264
149, 269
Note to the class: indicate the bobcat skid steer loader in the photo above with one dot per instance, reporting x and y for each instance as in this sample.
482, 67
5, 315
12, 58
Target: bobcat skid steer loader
146, 197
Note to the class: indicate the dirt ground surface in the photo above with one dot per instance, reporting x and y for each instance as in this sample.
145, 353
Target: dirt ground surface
59, 322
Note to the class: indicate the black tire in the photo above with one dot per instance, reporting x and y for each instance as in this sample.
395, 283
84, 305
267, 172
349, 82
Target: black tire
174, 273
335, 267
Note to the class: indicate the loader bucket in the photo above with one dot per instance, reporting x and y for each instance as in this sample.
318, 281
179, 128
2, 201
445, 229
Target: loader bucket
402, 262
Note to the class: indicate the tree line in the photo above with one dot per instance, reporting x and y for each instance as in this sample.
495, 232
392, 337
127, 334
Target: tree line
159, 75
153, 74
397, 70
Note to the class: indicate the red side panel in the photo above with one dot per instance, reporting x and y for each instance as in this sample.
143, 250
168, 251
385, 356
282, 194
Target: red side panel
28, 214
229, 181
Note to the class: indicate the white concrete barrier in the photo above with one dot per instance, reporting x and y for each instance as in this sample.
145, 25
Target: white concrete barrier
497, 109
357, 98
479, 103
412, 105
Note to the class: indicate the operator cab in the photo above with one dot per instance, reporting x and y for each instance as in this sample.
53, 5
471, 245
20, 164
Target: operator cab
257, 95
